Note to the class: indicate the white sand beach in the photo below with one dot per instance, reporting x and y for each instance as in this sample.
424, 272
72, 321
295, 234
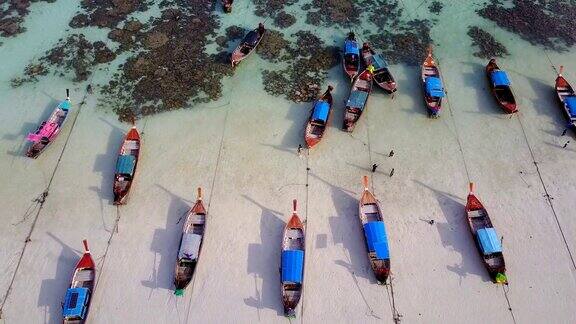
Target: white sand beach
241, 150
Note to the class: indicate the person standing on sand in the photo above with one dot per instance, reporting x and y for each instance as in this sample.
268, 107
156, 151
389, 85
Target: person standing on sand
374, 166
391, 153
392, 173
299, 149
566, 144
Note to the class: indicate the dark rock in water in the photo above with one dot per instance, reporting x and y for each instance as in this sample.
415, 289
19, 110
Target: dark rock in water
489, 47
272, 46
79, 21
340, 12
133, 25
155, 40
266, 8
307, 67
11, 26
124, 37
284, 20
234, 33
407, 45
436, 7
547, 23
107, 13
102, 54
12, 14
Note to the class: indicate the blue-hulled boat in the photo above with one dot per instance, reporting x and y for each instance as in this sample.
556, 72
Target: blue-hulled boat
292, 263
361, 89
567, 98
375, 234
351, 60
79, 295
318, 120
433, 88
382, 75
126, 166
486, 239
500, 87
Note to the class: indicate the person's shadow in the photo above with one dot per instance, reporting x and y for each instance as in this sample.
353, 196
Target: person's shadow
52, 291
455, 235
264, 261
165, 243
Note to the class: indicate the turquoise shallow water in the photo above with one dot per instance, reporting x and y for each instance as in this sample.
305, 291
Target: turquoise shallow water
242, 149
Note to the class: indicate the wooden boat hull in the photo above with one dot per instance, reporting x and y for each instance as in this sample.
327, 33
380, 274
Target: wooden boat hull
382, 77
351, 61
242, 52
190, 246
122, 185
227, 6
503, 96
48, 130
83, 278
563, 91
430, 69
370, 214
353, 113
315, 132
478, 219
292, 264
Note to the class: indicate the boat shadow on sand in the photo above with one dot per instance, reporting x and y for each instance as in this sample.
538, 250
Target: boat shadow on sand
165, 243
347, 231
19, 146
105, 165
455, 235
264, 261
52, 290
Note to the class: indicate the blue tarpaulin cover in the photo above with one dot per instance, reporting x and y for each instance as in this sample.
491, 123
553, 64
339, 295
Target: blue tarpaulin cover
434, 87
292, 265
500, 78
74, 302
377, 239
125, 164
321, 109
65, 105
489, 241
571, 104
357, 99
378, 62
351, 47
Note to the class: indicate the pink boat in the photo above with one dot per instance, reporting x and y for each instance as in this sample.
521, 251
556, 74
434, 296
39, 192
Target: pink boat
49, 129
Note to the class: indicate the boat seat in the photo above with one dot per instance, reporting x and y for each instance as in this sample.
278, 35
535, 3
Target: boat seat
362, 84
475, 213
131, 145
84, 275
294, 234
370, 208
197, 219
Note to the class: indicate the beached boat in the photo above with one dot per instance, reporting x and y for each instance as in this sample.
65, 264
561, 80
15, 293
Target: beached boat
567, 98
500, 87
433, 88
48, 130
292, 263
382, 75
126, 166
486, 239
190, 245
357, 100
351, 61
375, 234
79, 295
227, 5
318, 120
247, 45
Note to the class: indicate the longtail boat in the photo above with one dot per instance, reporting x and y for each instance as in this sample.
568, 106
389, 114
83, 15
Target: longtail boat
351, 61
318, 120
190, 245
247, 45
292, 263
79, 295
126, 166
227, 5
382, 75
375, 234
500, 87
48, 130
567, 98
357, 100
486, 239
433, 88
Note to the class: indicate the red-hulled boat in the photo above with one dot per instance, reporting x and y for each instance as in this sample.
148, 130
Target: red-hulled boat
432, 83
318, 120
382, 75
567, 98
126, 164
79, 295
500, 87
247, 45
292, 263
